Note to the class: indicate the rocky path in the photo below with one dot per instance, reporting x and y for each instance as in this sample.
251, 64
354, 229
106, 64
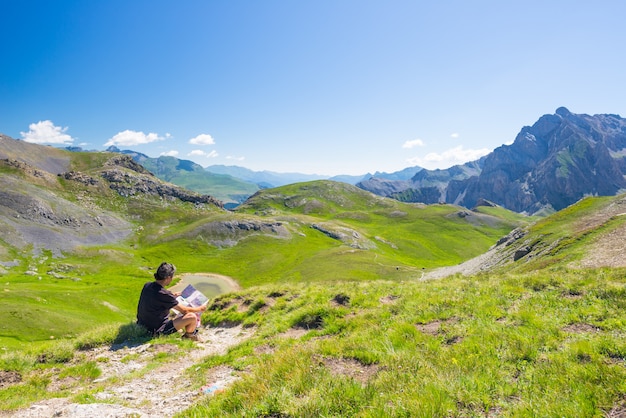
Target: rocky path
130, 385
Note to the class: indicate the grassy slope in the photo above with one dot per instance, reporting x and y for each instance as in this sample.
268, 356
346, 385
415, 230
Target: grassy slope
223, 187
549, 343
530, 345
63, 297
566, 236
405, 239
539, 344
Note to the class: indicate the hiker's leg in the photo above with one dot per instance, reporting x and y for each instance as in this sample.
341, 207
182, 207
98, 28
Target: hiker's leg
186, 322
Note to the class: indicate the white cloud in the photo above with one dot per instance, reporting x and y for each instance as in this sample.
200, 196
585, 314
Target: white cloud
200, 153
172, 153
448, 158
454, 135
230, 157
130, 138
202, 139
413, 143
44, 132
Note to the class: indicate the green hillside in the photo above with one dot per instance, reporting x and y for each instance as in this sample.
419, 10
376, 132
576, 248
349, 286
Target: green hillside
327, 231
192, 176
320, 231
495, 345
342, 321
540, 344
587, 234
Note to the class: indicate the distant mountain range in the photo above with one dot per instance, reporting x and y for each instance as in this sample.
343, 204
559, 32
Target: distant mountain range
558, 160
550, 165
269, 179
234, 184
555, 162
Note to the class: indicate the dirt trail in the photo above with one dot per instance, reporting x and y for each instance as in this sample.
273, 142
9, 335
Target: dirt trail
160, 392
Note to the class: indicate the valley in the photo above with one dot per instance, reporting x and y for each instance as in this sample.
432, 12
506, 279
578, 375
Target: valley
348, 303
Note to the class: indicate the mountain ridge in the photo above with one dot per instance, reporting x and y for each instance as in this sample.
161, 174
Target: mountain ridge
234, 184
558, 160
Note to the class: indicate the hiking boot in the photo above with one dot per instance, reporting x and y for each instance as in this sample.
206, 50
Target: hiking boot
193, 336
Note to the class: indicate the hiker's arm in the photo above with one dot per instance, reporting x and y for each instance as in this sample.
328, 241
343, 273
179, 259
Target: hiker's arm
186, 309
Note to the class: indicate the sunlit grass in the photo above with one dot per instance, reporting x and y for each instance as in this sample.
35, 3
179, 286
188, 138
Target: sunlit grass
340, 329
541, 344
509, 345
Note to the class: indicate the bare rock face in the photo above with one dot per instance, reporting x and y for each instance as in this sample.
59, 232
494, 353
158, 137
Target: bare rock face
128, 178
129, 184
34, 217
522, 252
556, 162
53, 160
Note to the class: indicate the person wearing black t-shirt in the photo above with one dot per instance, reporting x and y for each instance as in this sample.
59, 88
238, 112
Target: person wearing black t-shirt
155, 303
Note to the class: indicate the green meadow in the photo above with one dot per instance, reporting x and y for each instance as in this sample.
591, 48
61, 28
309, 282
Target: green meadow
95, 285
545, 344
345, 323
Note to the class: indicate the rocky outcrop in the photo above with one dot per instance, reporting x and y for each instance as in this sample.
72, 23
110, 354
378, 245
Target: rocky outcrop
229, 233
129, 184
80, 178
345, 235
129, 178
126, 161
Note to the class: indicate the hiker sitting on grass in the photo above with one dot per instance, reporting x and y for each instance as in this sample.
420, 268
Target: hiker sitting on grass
156, 301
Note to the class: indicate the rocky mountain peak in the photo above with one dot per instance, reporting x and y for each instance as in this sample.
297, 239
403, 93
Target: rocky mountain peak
553, 163
563, 112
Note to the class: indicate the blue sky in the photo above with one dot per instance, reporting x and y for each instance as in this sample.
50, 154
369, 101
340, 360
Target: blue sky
324, 87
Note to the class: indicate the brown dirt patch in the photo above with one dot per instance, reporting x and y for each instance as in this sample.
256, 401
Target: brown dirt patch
9, 378
294, 333
572, 295
164, 348
431, 328
618, 410
65, 383
243, 305
581, 328
340, 300
435, 327
264, 349
607, 251
389, 299
354, 369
